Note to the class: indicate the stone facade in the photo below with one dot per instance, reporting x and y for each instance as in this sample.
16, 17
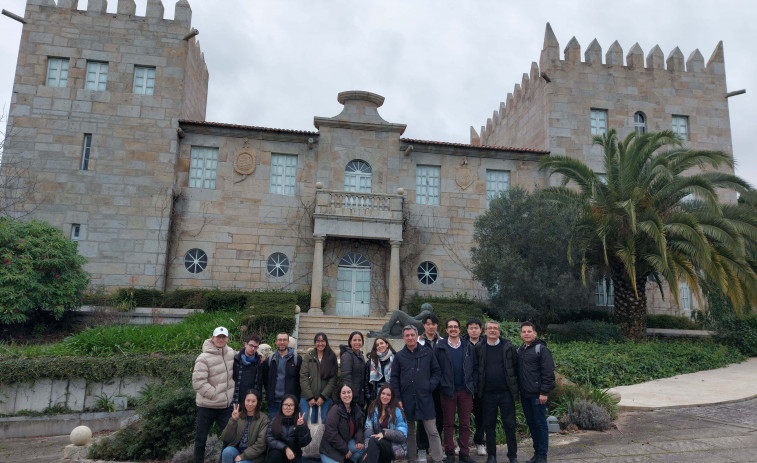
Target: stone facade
168, 200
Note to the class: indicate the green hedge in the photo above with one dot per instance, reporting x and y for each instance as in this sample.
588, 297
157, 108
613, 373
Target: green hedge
739, 332
672, 322
587, 330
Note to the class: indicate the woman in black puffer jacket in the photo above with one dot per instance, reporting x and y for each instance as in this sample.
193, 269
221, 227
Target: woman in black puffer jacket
287, 434
353, 366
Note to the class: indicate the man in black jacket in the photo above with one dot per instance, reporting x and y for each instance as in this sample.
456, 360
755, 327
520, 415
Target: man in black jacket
248, 368
459, 375
282, 374
536, 378
415, 373
475, 336
498, 388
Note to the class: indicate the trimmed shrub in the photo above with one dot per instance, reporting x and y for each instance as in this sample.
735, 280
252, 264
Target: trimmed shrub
183, 298
268, 326
303, 299
671, 322
739, 332
273, 303
216, 300
587, 330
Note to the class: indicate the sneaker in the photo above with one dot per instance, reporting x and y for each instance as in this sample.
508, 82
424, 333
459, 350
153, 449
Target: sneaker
457, 450
422, 456
481, 450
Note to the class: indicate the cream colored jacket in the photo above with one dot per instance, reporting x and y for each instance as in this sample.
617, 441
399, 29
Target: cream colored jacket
213, 376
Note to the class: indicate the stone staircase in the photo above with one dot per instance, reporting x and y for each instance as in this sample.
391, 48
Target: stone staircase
336, 327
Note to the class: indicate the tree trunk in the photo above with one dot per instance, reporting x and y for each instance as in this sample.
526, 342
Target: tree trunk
630, 310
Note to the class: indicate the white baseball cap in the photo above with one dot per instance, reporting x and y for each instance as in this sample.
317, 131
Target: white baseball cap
221, 331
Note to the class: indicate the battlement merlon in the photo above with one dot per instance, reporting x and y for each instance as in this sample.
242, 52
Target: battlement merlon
155, 9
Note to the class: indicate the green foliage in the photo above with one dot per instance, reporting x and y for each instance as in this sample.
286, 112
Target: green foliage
739, 332
586, 415
183, 298
462, 307
671, 322
521, 257
166, 425
270, 325
587, 330
562, 398
104, 402
40, 271
303, 299
224, 300
618, 364
167, 368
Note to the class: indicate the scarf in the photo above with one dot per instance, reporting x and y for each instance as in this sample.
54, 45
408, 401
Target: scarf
376, 372
248, 360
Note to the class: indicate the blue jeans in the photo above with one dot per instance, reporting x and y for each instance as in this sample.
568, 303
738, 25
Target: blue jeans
229, 453
356, 454
305, 410
536, 417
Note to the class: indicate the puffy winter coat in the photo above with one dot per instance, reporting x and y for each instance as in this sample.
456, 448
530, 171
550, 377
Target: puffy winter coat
336, 431
470, 367
292, 436
510, 366
536, 372
353, 371
213, 376
414, 375
311, 383
256, 449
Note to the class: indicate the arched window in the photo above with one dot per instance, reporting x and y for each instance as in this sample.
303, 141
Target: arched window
640, 123
278, 264
195, 260
357, 176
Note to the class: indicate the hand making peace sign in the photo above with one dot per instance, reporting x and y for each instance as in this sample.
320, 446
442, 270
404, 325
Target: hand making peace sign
235, 412
301, 420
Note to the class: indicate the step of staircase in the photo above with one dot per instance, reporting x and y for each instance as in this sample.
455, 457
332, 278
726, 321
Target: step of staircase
336, 327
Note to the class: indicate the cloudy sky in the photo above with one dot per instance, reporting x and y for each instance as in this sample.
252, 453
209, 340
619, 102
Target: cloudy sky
443, 65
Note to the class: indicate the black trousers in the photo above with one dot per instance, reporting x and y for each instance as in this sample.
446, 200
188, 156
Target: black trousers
278, 456
205, 419
378, 451
478, 420
421, 437
504, 403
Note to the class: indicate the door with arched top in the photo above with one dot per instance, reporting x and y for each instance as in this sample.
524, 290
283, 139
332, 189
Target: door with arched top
353, 296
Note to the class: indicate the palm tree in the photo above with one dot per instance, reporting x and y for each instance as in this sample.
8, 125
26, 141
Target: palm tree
638, 223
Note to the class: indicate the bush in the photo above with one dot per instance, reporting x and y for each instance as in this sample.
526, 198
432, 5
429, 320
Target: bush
224, 300
303, 299
586, 415
587, 330
562, 398
268, 326
40, 271
672, 322
167, 425
739, 332
183, 298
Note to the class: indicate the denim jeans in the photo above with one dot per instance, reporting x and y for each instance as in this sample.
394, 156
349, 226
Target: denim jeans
205, 419
229, 453
536, 417
356, 454
273, 409
305, 410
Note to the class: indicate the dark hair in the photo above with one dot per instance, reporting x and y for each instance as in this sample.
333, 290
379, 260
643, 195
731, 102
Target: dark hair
452, 319
276, 425
256, 393
339, 393
373, 356
391, 407
352, 335
434, 319
533, 327
254, 337
329, 364
474, 321
285, 334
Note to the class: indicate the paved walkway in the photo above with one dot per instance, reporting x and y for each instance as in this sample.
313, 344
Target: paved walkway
733, 383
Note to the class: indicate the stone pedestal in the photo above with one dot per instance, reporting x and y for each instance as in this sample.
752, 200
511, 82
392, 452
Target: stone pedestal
75, 453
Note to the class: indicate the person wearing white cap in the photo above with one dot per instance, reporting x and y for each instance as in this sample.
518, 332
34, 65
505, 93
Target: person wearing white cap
213, 380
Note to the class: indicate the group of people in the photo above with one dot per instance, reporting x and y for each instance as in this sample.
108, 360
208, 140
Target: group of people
371, 411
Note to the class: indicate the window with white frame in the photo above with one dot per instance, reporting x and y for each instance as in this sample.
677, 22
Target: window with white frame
85, 151
640, 123
497, 181
57, 72
144, 80
283, 174
97, 75
598, 121
685, 297
202, 167
681, 126
427, 181
604, 293
75, 231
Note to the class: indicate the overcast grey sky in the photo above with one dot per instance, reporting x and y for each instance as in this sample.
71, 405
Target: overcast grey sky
442, 65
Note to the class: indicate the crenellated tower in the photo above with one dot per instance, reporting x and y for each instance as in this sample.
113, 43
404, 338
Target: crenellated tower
94, 114
562, 102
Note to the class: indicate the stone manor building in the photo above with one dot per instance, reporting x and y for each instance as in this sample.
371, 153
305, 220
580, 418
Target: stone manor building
108, 110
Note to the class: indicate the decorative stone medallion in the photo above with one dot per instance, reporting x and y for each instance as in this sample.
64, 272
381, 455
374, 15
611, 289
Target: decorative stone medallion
244, 164
463, 176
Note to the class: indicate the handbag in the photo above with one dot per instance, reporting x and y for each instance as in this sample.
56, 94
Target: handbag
312, 450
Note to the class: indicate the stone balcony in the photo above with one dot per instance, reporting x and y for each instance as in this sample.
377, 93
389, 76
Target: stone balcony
358, 215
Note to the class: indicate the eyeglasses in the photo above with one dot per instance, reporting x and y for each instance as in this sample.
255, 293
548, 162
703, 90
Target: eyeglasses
287, 405
252, 346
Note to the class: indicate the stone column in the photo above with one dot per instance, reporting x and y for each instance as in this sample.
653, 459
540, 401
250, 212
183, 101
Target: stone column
316, 288
394, 277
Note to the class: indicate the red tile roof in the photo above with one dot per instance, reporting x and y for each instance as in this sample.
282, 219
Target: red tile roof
465, 145
245, 127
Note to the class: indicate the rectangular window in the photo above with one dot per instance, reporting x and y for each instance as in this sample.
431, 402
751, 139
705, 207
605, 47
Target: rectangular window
283, 174
75, 230
57, 72
97, 75
497, 181
681, 126
202, 167
604, 293
685, 297
598, 121
85, 151
427, 181
144, 80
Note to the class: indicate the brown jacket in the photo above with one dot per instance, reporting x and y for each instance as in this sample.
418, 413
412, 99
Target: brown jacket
213, 376
256, 448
